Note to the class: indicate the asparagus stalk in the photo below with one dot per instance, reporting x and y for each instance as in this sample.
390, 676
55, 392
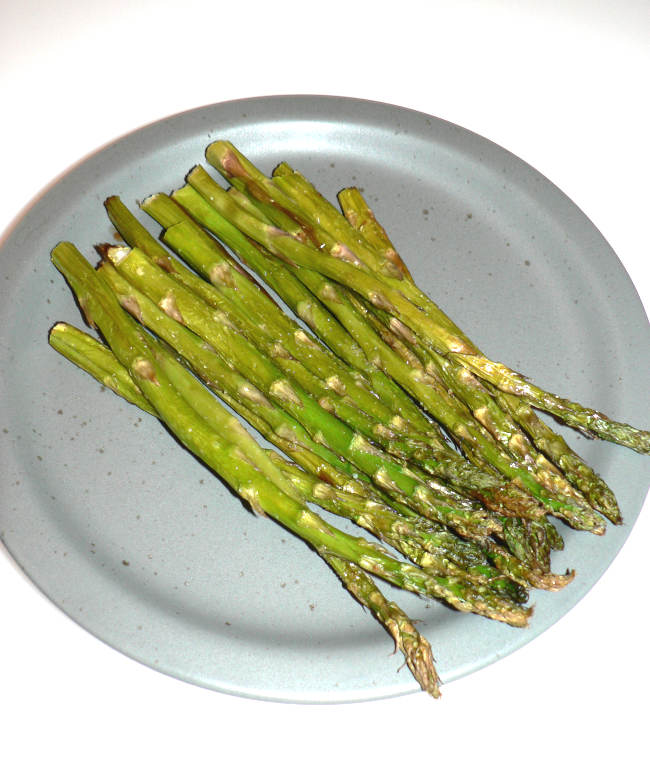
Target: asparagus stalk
298, 254
208, 408
95, 358
466, 395
431, 546
361, 217
209, 217
313, 366
267, 210
447, 464
531, 541
316, 208
415, 648
591, 423
295, 289
136, 235
180, 297
332, 234
189, 243
309, 460
546, 440
213, 369
281, 169
358, 501
289, 225
346, 497
441, 328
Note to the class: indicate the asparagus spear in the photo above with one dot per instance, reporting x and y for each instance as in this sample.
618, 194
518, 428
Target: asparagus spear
316, 208
295, 288
318, 218
95, 358
208, 364
136, 235
313, 280
289, 224
168, 212
334, 297
549, 443
430, 545
531, 541
361, 217
297, 373
526, 570
433, 400
416, 649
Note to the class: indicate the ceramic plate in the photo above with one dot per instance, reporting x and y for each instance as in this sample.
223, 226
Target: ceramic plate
138, 543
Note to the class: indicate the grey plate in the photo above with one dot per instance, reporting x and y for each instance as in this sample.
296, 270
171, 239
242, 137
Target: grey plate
134, 540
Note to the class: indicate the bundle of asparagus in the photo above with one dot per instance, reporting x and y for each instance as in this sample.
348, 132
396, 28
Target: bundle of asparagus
381, 410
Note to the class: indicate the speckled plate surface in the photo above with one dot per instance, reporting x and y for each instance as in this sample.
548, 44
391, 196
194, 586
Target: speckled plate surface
137, 542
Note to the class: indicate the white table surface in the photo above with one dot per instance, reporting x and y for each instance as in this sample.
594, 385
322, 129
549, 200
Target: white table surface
562, 85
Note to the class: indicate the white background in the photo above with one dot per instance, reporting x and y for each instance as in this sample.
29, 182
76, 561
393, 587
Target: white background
564, 85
